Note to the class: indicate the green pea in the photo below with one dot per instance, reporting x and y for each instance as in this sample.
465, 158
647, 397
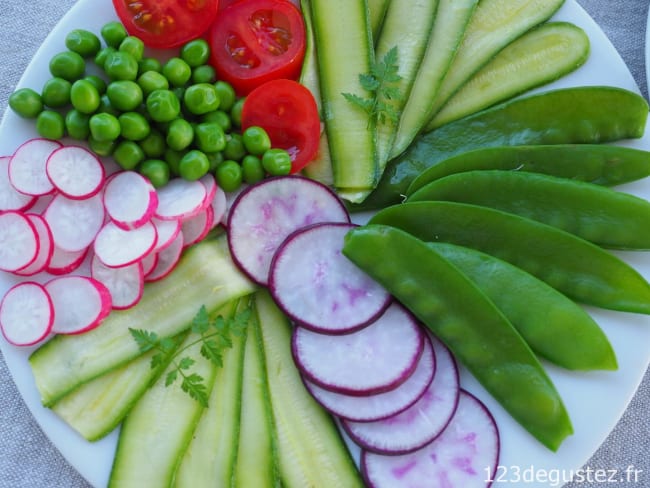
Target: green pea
152, 80
220, 117
68, 65
156, 171
229, 175
83, 42
226, 95
133, 126
173, 160
56, 92
177, 71
276, 162
77, 125
113, 33
180, 134
252, 169
201, 98
215, 158
154, 144
256, 140
193, 165
101, 148
104, 127
84, 96
132, 45
97, 82
128, 155
102, 55
235, 112
163, 105
204, 74
26, 103
195, 52
149, 64
50, 124
209, 137
234, 148
120, 65
105, 106
124, 95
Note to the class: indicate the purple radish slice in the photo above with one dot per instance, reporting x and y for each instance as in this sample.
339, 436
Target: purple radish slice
125, 284
10, 198
19, 244
27, 167
26, 314
45, 248
419, 424
180, 199
321, 289
117, 247
264, 214
375, 407
75, 172
166, 260
63, 262
74, 223
130, 199
375, 359
80, 303
196, 228
459, 458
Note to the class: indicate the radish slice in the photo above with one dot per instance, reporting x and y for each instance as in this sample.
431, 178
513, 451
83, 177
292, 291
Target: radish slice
26, 314
75, 172
210, 184
420, 423
166, 260
149, 262
196, 228
125, 284
167, 231
375, 407
459, 458
80, 303
321, 289
375, 359
219, 206
19, 244
130, 199
74, 223
10, 198
27, 167
63, 262
45, 248
180, 199
263, 215
117, 247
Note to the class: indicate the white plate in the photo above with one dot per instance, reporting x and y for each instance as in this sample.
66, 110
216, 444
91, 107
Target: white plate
595, 400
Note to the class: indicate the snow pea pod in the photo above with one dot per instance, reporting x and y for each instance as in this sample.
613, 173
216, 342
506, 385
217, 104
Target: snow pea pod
576, 267
589, 114
601, 164
604, 216
555, 327
457, 312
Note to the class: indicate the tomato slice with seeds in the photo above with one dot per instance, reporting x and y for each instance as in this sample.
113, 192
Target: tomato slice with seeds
288, 112
254, 41
164, 24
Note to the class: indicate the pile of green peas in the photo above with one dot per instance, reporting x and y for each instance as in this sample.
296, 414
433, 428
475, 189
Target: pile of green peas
164, 119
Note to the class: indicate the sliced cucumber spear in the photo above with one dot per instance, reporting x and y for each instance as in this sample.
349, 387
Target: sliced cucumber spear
377, 9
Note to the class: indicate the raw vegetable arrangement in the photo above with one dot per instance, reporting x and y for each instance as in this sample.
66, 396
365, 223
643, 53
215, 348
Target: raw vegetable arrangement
182, 230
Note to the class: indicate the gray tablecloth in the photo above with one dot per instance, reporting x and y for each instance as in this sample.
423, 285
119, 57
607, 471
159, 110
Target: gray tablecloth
28, 459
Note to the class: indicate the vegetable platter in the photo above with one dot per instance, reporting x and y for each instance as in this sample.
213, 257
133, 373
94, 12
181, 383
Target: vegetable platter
595, 401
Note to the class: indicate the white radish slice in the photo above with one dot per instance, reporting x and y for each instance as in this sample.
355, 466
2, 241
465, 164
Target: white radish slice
80, 303
27, 166
419, 424
10, 198
231, 198
45, 247
459, 458
180, 199
264, 214
74, 223
19, 244
125, 284
166, 261
130, 199
210, 184
117, 247
75, 171
318, 287
196, 228
63, 262
372, 360
219, 206
26, 314
149, 262
375, 407
167, 231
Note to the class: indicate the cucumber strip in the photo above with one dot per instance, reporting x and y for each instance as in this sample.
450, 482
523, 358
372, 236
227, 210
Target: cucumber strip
407, 28
97, 407
447, 33
210, 459
310, 448
540, 56
205, 275
494, 25
344, 50
377, 9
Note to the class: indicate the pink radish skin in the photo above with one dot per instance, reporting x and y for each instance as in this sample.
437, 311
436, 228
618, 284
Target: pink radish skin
63, 262
321, 289
26, 314
45, 248
74, 223
419, 424
167, 231
376, 407
459, 458
117, 247
19, 243
263, 215
375, 359
166, 260
196, 228
180, 199
130, 199
27, 167
80, 303
125, 284
75, 171
10, 198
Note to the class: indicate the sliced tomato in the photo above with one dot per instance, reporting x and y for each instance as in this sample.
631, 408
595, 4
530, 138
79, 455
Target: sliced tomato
164, 24
289, 114
254, 41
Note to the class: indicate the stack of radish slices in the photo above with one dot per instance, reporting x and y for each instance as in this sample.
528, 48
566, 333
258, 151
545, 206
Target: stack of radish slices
364, 357
82, 242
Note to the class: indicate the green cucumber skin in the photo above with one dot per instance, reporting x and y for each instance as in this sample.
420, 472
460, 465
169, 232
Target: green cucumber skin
377, 9
167, 308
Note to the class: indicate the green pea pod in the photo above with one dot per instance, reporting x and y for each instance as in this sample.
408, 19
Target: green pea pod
601, 164
555, 327
579, 269
456, 311
606, 217
589, 114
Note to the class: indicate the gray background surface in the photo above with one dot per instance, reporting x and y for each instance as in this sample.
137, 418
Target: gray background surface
28, 459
